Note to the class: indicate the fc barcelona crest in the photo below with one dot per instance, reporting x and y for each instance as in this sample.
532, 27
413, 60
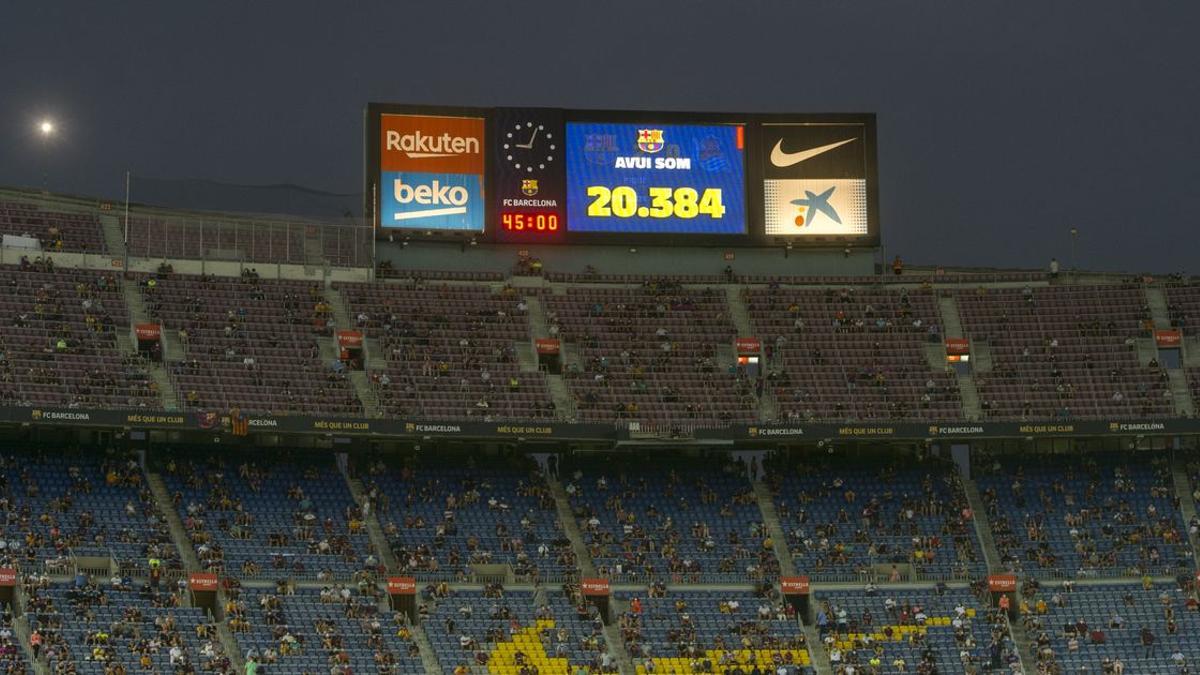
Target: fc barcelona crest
650, 141
529, 186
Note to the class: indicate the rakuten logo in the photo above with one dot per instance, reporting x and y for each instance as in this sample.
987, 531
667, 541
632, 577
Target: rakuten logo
420, 146
453, 199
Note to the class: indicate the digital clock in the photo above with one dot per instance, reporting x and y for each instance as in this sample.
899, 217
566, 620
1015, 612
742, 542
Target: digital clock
532, 222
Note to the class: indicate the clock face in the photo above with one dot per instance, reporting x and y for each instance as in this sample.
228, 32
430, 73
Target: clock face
529, 147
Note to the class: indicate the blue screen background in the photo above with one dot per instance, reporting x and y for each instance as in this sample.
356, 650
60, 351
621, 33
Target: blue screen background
592, 149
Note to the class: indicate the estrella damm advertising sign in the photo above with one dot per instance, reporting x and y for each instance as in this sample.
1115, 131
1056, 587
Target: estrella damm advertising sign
431, 172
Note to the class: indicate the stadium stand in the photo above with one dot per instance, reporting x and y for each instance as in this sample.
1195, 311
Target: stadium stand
12, 657
1148, 627
61, 507
250, 343
88, 628
54, 230
912, 629
651, 354
270, 517
1091, 515
59, 347
308, 630
444, 517
876, 519
1064, 352
1183, 305
711, 631
450, 351
672, 520
852, 353
509, 631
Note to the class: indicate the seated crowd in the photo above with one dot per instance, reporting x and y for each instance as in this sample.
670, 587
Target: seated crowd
273, 517
671, 520
443, 517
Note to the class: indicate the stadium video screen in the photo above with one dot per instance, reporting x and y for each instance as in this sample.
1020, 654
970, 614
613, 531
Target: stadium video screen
527, 175
656, 178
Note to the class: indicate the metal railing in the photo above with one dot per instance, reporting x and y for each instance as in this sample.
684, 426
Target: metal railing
249, 240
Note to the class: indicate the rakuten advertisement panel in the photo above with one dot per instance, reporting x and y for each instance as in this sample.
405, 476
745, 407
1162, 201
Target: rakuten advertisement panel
431, 172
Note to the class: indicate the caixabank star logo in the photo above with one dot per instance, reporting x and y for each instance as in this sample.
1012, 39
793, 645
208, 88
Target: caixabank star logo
815, 179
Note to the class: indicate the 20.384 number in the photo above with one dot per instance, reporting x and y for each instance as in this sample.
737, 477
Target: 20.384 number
684, 202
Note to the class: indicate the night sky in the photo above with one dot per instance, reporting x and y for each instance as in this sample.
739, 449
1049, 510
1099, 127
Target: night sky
1001, 124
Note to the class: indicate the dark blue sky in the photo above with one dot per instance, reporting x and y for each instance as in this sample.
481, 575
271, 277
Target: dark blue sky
1001, 124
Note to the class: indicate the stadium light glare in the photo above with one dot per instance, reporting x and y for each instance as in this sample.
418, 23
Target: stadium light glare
46, 127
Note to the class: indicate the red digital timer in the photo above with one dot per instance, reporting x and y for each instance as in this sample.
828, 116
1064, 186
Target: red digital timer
521, 221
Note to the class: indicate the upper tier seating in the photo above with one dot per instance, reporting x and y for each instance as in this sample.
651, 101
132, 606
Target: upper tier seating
852, 353
650, 354
1183, 308
289, 517
58, 505
443, 515
844, 521
56, 230
683, 521
1064, 352
1085, 515
250, 344
58, 345
450, 351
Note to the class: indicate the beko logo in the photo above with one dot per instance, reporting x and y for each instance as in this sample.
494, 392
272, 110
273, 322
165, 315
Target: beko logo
453, 199
783, 159
421, 146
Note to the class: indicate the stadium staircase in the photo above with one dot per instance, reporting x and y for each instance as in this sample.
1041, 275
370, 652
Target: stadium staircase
179, 535
374, 529
20, 626
739, 314
114, 235
228, 640
425, 648
1023, 643
359, 379
171, 351
560, 394
1183, 493
935, 354
570, 525
341, 315
1181, 391
1156, 300
766, 504
612, 635
983, 527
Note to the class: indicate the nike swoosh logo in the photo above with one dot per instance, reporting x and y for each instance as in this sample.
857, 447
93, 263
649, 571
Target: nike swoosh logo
783, 159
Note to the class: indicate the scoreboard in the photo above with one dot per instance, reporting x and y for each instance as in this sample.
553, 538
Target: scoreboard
547, 175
